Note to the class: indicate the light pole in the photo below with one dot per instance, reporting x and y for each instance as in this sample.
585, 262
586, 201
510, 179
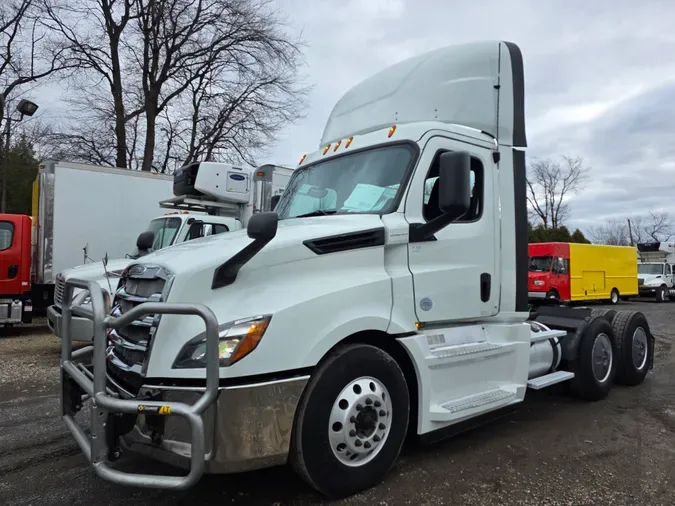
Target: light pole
25, 108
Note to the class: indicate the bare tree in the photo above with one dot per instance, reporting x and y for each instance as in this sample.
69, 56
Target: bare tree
27, 54
183, 40
613, 232
214, 79
549, 183
654, 226
93, 35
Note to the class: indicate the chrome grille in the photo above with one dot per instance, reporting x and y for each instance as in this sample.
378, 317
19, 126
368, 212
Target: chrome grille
129, 346
59, 287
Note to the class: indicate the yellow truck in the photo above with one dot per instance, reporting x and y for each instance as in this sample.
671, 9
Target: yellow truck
582, 272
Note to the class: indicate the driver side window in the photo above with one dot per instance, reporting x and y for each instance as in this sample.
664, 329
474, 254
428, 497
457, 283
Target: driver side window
561, 266
431, 209
668, 269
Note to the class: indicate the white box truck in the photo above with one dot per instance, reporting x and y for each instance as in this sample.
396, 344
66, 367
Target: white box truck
363, 309
201, 208
656, 262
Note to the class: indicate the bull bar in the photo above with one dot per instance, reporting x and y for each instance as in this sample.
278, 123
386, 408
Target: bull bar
106, 401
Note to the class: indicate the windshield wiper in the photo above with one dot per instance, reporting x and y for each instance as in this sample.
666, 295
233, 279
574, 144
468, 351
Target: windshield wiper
318, 212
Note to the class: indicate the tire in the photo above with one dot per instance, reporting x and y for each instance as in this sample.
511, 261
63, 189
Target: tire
661, 293
608, 314
331, 397
586, 383
635, 346
614, 297
552, 294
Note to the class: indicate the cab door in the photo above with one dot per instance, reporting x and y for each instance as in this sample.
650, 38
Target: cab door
11, 269
456, 274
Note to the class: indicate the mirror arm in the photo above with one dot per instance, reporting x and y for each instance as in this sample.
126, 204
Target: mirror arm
420, 232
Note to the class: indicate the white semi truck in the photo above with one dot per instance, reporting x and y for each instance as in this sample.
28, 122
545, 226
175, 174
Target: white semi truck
362, 309
656, 262
206, 210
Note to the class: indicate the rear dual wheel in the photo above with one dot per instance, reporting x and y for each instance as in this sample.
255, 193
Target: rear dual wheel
595, 366
351, 421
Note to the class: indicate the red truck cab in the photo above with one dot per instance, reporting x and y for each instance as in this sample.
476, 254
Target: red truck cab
15, 269
548, 273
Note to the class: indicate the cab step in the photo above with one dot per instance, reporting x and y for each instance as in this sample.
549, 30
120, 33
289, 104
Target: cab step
549, 379
486, 401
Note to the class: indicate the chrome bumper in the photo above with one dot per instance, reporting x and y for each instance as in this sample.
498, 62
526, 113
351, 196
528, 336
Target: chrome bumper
248, 427
81, 329
536, 295
111, 415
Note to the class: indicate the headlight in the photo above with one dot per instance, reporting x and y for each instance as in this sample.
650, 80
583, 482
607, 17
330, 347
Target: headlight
539, 282
115, 274
236, 340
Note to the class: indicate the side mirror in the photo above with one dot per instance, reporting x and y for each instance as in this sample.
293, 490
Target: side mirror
274, 201
263, 226
454, 196
145, 241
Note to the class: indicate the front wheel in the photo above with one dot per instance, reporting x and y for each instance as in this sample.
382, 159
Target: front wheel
614, 297
351, 422
661, 293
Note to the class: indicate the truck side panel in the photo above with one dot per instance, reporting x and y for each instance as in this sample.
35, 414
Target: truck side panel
596, 270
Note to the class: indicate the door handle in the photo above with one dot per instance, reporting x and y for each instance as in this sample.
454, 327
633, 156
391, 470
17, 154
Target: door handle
12, 271
485, 286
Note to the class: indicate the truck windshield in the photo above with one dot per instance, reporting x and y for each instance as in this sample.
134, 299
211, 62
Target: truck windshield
540, 264
654, 269
362, 182
165, 229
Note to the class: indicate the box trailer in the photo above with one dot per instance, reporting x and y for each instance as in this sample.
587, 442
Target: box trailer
582, 272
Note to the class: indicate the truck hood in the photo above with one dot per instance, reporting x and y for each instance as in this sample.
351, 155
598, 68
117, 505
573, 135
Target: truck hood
287, 246
95, 270
648, 278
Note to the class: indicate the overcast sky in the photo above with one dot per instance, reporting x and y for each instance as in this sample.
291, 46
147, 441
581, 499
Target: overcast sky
600, 80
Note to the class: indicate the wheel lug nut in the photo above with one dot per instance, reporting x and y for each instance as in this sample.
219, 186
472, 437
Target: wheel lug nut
352, 419
376, 438
366, 445
378, 404
358, 442
382, 412
369, 401
352, 433
359, 407
382, 426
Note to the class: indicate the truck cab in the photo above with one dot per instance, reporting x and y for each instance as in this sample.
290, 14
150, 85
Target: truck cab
15, 269
548, 271
171, 228
385, 295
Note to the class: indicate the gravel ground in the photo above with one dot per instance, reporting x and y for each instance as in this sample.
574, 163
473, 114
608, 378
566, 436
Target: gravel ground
555, 450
